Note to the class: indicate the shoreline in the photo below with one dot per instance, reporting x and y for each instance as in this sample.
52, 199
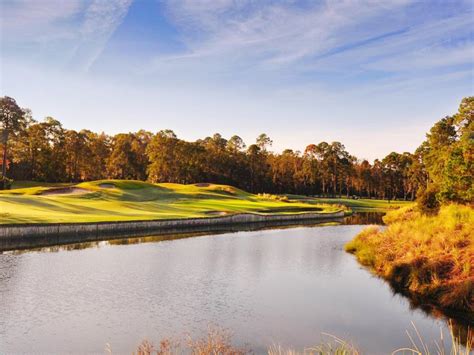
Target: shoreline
26, 236
424, 257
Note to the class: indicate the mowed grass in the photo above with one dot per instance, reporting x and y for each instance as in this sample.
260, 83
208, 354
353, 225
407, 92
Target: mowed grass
360, 205
430, 257
125, 200
26, 184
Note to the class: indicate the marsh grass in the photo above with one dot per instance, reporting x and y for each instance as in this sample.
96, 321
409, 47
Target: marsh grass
419, 346
429, 257
219, 342
332, 346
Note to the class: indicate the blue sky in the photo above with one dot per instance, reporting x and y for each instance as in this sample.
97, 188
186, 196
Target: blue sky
372, 74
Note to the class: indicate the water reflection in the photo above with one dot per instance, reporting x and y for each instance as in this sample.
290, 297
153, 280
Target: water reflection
281, 285
361, 218
461, 326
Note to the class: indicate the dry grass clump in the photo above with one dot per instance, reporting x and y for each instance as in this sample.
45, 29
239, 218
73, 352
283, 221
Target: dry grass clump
335, 346
217, 342
427, 256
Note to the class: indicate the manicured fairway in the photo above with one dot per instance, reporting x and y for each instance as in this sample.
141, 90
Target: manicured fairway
360, 205
119, 200
366, 205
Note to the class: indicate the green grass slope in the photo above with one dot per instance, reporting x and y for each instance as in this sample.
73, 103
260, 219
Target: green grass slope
120, 200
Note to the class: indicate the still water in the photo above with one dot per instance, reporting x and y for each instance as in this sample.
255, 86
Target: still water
279, 286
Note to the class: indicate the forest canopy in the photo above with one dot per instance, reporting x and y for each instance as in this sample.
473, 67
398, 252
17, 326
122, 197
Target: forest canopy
439, 170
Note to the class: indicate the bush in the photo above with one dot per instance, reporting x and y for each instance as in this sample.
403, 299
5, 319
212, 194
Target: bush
5, 183
427, 200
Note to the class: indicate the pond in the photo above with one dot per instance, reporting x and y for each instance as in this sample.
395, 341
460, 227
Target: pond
273, 286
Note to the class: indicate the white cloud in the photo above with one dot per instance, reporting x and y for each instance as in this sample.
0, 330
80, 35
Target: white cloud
280, 32
347, 37
37, 21
32, 13
101, 20
71, 28
427, 58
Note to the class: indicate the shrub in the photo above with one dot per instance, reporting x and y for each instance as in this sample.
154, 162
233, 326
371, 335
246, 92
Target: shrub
5, 183
427, 200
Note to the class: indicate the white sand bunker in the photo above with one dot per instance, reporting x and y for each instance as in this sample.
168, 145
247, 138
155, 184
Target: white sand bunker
106, 185
216, 213
65, 191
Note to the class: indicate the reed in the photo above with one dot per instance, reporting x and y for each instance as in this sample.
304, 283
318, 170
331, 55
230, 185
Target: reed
219, 342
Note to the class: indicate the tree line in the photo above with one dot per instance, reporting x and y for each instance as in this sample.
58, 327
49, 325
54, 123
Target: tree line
46, 151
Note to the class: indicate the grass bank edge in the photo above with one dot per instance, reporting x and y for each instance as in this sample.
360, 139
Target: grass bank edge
430, 258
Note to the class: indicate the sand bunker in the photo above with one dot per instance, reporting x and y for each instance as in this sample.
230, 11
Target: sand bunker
107, 186
216, 213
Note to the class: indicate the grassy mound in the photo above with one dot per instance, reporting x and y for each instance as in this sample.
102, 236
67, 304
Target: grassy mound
125, 200
429, 257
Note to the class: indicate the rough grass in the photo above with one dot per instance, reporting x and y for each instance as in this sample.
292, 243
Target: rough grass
429, 257
125, 200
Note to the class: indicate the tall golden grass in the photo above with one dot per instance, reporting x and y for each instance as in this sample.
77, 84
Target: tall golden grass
429, 257
420, 346
334, 346
219, 342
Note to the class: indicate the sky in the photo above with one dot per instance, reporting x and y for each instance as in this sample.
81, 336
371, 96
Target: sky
374, 74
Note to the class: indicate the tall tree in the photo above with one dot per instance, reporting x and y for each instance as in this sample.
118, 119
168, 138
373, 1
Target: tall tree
128, 159
235, 144
441, 168
263, 142
12, 121
448, 157
161, 153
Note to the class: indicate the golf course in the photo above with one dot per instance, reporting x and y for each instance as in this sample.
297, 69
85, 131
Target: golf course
125, 200
120, 200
